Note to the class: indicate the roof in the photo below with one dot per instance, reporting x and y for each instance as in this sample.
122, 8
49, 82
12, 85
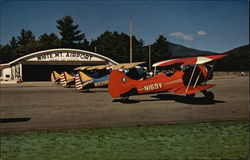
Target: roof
2, 66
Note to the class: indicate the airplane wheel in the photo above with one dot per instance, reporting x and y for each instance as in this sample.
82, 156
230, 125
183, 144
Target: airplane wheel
190, 96
208, 95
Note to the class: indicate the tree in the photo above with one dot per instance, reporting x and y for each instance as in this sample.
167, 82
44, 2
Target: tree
26, 36
68, 31
48, 41
13, 43
6, 54
26, 43
160, 50
116, 46
22, 45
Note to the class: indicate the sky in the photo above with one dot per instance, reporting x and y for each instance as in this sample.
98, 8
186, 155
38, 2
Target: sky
216, 26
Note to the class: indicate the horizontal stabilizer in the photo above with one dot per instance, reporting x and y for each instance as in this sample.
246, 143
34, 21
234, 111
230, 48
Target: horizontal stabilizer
192, 90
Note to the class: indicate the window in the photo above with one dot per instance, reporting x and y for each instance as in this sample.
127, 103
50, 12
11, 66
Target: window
7, 76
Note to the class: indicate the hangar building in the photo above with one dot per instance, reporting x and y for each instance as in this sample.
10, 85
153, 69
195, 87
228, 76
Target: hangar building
38, 66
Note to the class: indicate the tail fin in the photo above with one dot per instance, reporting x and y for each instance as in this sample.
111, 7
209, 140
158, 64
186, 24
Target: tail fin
82, 80
66, 78
119, 83
55, 77
69, 77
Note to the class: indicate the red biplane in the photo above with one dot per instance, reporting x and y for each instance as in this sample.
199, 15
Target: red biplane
188, 79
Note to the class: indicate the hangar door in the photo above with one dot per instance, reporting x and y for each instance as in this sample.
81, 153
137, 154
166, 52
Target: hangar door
42, 72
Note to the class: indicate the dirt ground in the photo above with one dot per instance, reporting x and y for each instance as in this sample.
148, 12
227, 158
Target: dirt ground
33, 106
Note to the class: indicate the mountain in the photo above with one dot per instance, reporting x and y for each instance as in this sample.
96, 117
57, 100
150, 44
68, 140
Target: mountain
182, 51
238, 59
240, 50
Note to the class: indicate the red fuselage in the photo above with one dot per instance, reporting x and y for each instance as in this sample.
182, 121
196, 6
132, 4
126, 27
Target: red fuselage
120, 85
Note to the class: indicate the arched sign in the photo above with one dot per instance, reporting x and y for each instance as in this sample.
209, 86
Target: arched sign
64, 55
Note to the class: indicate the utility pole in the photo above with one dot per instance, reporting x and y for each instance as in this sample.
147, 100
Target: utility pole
131, 54
95, 49
149, 57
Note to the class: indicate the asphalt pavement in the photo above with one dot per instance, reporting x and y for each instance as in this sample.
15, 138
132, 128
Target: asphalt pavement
32, 106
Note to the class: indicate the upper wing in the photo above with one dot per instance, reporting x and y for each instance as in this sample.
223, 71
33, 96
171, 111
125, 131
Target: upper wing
81, 68
169, 62
189, 60
126, 65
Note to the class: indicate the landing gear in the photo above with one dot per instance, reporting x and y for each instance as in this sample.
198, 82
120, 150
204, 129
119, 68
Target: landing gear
126, 98
190, 96
208, 95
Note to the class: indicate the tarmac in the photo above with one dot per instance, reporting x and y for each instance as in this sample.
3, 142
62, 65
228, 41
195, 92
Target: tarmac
34, 106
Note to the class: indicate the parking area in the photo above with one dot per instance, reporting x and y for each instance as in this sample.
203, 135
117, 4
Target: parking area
31, 106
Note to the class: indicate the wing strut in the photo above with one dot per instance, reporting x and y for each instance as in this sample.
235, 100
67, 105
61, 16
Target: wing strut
191, 78
197, 79
155, 71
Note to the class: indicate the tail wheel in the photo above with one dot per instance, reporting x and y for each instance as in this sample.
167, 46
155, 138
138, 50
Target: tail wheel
208, 95
125, 98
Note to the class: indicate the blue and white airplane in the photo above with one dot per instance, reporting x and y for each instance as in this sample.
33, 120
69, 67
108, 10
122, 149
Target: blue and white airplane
98, 76
92, 77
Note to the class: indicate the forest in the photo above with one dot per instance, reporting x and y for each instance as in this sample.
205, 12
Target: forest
111, 44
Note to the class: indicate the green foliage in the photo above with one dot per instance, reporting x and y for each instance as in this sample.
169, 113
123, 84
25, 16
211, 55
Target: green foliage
48, 41
25, 37
116, 46
20, 46
218, 140
7, 54
26, 43
160, 49
69, 32
13, 43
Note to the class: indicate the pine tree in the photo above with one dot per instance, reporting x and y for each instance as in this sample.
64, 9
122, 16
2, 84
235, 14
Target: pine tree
48, 41
68, 31
160, 50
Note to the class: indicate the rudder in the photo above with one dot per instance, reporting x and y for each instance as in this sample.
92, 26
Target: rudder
119, 84
82, 80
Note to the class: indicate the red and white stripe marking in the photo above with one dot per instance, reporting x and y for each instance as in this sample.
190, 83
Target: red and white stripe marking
78, 82
63, 80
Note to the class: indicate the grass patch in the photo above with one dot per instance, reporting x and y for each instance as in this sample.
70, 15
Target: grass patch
220, 140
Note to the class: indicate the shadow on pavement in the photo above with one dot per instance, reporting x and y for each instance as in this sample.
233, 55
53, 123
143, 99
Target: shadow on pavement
184, 99
91, 91
126, 101
171, 97
9, 120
